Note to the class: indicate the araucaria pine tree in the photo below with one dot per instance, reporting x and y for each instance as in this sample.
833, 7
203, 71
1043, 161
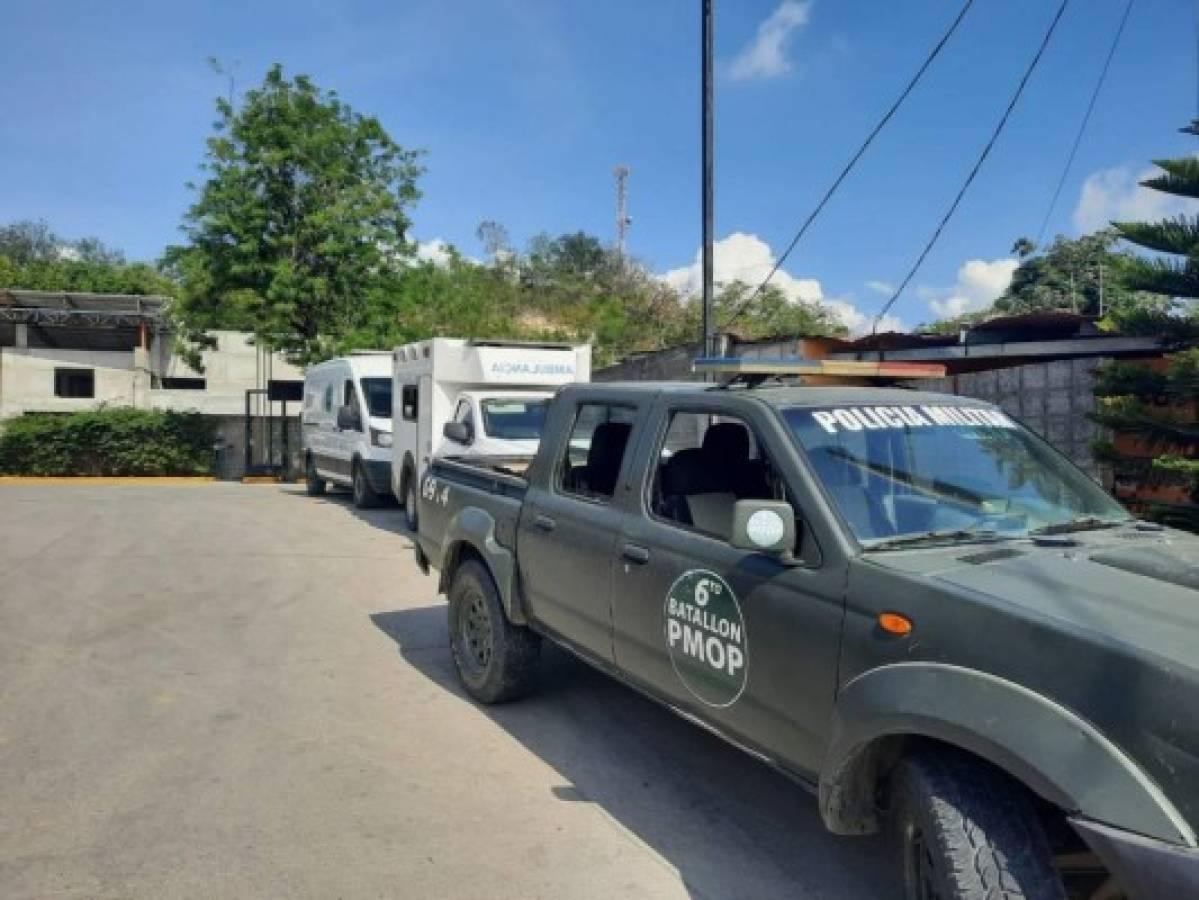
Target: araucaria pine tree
1152, 409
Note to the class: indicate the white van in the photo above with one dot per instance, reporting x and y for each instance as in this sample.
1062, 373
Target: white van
346, 426
473, 398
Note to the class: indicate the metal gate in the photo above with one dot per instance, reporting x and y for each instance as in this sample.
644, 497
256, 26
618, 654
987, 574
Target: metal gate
267, 432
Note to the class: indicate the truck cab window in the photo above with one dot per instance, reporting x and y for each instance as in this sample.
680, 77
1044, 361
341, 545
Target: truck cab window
706, 464
591, 462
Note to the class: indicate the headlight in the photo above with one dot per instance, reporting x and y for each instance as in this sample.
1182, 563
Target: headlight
380, 438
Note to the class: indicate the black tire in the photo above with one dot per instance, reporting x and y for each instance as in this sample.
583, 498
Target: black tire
411, 513
966, 831
313, 483
364, 495
496, 660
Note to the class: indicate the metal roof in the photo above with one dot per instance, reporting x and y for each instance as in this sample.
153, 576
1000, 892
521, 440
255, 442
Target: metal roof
87, 310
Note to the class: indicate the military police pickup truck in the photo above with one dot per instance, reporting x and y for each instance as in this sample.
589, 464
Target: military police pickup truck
906, 601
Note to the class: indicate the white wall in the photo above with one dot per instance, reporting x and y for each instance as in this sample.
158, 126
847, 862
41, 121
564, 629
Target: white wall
122, 378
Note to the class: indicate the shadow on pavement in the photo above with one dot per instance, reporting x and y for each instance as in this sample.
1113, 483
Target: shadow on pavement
731, 826
389, 516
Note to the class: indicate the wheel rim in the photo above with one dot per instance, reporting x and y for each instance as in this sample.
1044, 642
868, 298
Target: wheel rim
359, 493
474, 634
922, 866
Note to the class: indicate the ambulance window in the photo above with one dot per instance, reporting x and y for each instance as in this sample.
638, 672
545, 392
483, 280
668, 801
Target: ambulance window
409, 397
591, 462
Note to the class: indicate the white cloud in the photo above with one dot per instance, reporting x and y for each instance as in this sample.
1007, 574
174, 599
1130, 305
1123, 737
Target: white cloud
766, 55
881, 287
747, 258
1116, 195
435, 251
978, 284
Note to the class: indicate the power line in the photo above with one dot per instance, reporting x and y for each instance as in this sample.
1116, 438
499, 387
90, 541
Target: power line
853, 161
977, 166
1107, 63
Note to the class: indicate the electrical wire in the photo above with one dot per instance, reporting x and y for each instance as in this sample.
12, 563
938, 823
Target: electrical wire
853, 161
1107, 63
977, 166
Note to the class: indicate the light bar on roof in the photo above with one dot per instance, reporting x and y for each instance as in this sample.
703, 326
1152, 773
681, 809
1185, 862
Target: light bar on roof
835, 368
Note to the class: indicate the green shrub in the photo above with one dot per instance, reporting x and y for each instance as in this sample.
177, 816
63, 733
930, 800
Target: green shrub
107, 441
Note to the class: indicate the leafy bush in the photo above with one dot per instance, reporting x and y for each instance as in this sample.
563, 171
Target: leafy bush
107, 441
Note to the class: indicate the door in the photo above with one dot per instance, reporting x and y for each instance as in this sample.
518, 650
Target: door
425, 437
741, 639
570, 521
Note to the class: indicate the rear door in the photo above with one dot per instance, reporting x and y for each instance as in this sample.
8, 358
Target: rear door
741, 639
573, 513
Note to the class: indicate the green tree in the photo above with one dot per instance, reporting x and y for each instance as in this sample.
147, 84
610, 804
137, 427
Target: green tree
33, 257
1159, 408
303, 215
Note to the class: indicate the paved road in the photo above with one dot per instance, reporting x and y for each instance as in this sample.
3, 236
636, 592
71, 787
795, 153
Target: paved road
228, 691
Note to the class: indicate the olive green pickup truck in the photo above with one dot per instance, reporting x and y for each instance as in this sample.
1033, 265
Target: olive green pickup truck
905, 601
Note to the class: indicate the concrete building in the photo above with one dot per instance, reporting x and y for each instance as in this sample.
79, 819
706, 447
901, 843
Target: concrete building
1037, 367
62, 352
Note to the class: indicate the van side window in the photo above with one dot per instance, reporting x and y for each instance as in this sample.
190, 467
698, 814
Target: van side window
705, 464
591, 463
409, 402
329, 397
351, 401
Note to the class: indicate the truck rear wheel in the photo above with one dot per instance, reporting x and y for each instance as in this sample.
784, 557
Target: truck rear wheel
410, 513
496, 660
364, 495
966, 832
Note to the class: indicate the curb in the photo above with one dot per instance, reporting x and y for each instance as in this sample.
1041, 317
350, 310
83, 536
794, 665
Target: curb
107, 479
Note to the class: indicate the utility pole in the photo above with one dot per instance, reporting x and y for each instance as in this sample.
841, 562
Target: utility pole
706, 165
622, 208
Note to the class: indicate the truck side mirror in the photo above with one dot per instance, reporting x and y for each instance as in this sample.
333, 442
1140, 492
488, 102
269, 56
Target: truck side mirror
458, 432
766, 526
348, 419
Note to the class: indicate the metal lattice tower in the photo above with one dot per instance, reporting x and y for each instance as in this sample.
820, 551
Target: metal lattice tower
622, 207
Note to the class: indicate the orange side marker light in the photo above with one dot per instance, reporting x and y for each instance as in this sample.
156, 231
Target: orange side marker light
894, 623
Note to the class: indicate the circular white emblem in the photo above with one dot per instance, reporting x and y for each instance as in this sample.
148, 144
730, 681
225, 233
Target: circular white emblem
765, 528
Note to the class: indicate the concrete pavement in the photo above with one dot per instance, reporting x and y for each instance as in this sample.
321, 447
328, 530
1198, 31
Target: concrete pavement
232, 691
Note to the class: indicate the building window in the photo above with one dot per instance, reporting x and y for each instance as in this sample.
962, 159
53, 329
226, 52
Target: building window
184, 384
74, 383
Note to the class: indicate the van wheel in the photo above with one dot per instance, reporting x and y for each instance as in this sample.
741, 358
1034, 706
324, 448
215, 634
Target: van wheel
967, 832
313, 483
410, 512
364, 495
496, 660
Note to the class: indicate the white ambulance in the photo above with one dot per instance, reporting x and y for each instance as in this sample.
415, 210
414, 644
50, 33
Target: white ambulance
346, 426
472, 398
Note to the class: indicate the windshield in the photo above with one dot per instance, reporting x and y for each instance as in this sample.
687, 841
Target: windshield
943, 471
378, 396
514, 418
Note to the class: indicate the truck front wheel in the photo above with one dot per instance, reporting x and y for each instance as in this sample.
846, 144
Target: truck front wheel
496, 660
966, 832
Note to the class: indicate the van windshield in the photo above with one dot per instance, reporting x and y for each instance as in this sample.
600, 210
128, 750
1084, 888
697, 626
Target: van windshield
514, 418
944, 472
377, 392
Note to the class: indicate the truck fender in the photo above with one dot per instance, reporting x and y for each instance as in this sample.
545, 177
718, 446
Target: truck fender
1048, 748
471, 531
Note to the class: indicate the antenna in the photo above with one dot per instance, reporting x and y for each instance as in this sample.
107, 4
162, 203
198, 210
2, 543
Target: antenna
622, 207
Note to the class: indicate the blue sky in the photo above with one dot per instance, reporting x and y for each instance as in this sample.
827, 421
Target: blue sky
525, 106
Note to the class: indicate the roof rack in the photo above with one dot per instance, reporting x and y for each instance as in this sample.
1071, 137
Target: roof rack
752, 371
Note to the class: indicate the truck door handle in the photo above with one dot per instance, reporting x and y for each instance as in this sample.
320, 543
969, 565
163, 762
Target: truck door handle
635, 554
544, 523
